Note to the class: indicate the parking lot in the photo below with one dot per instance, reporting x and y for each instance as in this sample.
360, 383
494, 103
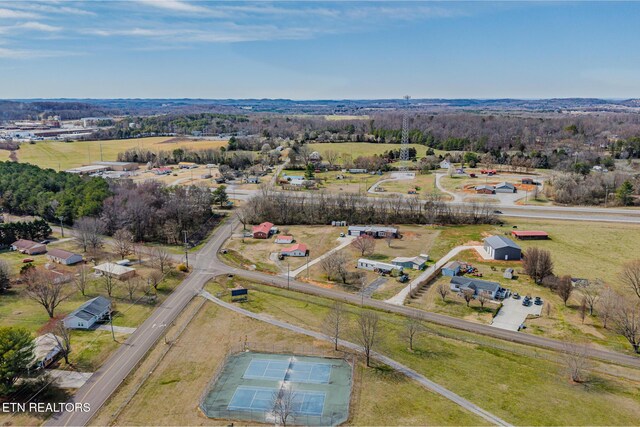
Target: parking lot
513, 314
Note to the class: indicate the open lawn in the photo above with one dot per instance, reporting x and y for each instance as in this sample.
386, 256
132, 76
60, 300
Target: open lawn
60, 155
422, 184
182, 376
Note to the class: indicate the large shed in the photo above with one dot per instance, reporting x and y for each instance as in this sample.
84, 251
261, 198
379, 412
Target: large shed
502, 248
530, 235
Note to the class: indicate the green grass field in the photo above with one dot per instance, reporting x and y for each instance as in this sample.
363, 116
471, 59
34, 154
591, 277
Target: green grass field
517, 383
60, 155
356, 149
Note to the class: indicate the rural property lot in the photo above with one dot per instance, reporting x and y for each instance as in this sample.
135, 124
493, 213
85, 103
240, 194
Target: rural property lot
351, 150
61, 155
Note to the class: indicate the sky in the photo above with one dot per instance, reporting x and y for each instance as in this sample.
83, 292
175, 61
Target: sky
318, 50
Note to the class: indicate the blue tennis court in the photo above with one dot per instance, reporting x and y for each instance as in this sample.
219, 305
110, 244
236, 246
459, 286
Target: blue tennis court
288, 370
261, 399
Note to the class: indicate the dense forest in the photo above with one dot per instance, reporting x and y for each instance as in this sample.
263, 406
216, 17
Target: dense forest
29, 190
32, 230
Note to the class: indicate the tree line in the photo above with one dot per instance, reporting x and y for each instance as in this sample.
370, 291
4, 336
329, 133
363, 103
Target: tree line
29, 190
30, 230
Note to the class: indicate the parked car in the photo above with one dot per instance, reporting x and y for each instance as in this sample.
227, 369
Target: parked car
26, 260
403, 279
526, 302
341, 234
45, 242
538, 301
516, 295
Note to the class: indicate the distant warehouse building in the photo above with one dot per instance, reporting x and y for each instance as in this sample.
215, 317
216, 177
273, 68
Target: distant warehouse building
88, 170
119, 166
502, 248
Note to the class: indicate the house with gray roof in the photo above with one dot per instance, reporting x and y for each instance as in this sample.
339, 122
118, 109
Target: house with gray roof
372, 230
502, 248
85, 316
479, 287
505, 187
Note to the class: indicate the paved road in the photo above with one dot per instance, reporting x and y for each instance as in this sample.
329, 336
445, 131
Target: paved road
111, 374
344, 242
421, 379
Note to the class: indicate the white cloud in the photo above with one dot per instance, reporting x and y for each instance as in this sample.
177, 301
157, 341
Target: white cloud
47, 8
9, 53
16, 14
176, 6
38, 26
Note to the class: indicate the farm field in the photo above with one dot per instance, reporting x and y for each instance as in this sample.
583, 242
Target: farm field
351, 150
503, 378
183, 374
61, 155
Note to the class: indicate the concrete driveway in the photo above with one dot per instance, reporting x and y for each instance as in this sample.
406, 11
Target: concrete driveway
69, 379
513, 314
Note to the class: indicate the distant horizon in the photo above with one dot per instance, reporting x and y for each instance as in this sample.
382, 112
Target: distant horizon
320, 99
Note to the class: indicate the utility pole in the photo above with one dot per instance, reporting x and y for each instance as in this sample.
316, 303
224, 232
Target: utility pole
186, 251
308, 256
113, 335
61, 226
288, 277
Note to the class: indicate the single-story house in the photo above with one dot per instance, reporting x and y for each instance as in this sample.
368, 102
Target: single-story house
284, 239
162, 170
377, 266
479, 287
529, 181
485, 189
356, 170
253, 180
187, 165
63, 257
293, 177
262, 231
46, 350
416, 262
28, 247
508, 273
373, 231
299, 249
502, 248
530, 235
505, 187
116, 271
445, 164
92, 311
452, 268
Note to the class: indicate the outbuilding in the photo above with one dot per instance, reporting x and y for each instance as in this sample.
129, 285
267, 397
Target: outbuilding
530, 235
297, 250
29, 247
284, 239
63, 257
92, 311
116, 271
452, 268
502, 248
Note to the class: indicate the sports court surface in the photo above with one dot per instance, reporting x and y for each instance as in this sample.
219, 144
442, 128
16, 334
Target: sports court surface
246, 385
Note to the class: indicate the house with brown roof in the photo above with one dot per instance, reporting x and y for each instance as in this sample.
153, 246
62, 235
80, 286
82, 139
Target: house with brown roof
61, 256
29, 247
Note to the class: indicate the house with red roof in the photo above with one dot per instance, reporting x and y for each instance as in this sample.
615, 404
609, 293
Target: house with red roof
299, 249
530, 235
262, 231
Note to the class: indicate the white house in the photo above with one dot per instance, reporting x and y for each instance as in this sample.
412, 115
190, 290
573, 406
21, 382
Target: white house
416, 262
298, 250
114, 270
377, 266
46, 350
85, 316
445, 164
284, 239
63, 257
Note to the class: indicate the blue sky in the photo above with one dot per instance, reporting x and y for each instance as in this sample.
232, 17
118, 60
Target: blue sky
318, 50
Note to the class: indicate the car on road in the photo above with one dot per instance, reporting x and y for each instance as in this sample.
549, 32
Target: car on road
516, 295
497, 212
229, 275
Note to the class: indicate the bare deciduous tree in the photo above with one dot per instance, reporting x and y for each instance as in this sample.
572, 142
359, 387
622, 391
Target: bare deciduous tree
389, 238
482, 299
630, 276
564, 288
331, 156
367, 332
468, 294
537, 263
364, 244
132, 285
626, 320
607, 305
412, 328
81, 279
89, 234
283, 405
335, 266
443, 290
242, 216
160, 258
46, 288
576, 361
62, 336
591, 294
335, 322
122, 242
154, 278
